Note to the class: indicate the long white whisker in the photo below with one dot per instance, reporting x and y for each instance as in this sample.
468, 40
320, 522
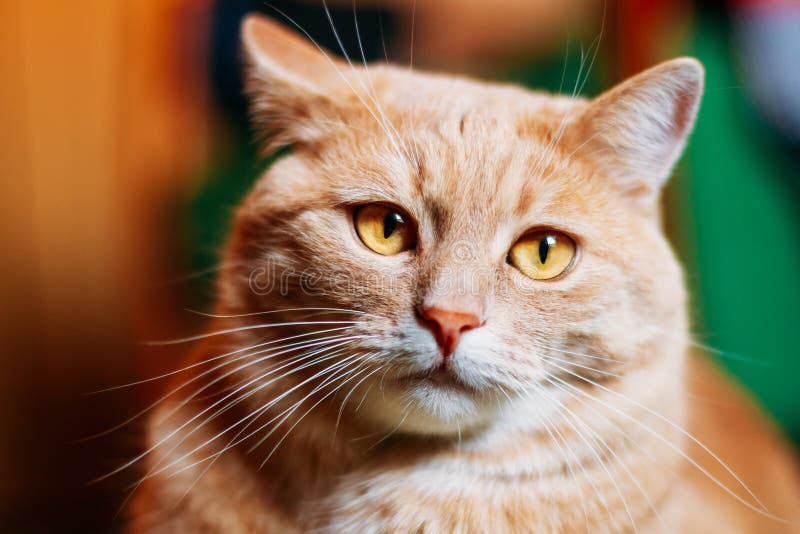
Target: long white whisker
283, 349
763, 510
218, 357
325, 343
189, 421
244, 328
351, 361
290, 364
609, 449
600, 495
592, 435
158, 469
251, 416
283, 310
349, 393
394, 142
333, 391
550, 427
230, 444
574, 364
373, 94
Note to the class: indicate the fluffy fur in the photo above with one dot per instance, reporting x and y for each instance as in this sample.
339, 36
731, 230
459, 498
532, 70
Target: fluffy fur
566, 410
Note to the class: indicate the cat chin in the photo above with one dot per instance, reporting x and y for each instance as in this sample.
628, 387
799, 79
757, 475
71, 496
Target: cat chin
424, 408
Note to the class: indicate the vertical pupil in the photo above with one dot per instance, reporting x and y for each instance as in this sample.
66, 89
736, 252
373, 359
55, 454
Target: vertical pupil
390, 223
544, 247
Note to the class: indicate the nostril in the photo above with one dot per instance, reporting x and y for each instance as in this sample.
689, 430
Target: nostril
470, 325
448, 325
451, 318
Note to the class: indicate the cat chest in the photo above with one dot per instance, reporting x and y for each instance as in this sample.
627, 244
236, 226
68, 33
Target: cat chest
452, 501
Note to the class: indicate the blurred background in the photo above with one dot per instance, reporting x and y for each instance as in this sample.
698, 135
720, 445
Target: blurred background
124, 147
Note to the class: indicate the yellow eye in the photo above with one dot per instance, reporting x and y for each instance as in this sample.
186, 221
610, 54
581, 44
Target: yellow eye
385, 229
542, 255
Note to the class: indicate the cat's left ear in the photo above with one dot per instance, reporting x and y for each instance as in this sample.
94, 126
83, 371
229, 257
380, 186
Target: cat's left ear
636, 131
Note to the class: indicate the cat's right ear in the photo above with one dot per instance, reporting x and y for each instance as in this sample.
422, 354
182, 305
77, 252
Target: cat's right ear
288, 82
637, 130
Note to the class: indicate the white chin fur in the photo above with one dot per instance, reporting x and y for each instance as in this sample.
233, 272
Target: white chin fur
426, 409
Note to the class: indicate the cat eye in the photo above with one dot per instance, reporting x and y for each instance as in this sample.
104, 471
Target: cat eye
385, 229
542, 255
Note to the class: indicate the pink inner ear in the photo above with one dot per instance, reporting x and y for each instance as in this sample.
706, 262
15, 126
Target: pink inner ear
271, 43
684, 113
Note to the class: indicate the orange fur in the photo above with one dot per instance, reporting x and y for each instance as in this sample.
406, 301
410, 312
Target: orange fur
564, 411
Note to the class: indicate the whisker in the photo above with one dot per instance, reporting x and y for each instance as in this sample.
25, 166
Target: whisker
283, 310
351, 361
214, 358
716, 351
338, 71
383, 38
763, 510
155, 470
349, 393
599, 461
251, 416
263, 408
282, 350
275, 448
230, 444
406, 413
625, 435
373, 94
550, 424
574, 364
244, 328
196, 416
550, 427
336, 341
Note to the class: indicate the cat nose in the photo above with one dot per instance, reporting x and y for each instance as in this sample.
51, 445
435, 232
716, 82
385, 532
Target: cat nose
448, 325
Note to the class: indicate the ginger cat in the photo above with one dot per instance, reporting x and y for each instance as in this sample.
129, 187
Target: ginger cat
450, 307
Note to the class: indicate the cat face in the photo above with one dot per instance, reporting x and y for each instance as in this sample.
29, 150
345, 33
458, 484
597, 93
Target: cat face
483, 238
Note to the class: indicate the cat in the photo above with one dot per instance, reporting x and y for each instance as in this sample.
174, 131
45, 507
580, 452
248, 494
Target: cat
450, 307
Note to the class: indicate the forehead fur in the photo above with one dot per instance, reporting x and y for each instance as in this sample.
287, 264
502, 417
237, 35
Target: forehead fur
444, 144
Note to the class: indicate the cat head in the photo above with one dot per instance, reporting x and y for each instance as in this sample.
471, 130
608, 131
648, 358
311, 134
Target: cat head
465, 242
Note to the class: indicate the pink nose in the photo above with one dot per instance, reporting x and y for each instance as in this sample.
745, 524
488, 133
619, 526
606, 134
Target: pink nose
448, 325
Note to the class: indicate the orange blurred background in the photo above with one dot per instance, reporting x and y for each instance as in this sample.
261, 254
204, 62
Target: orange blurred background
104, 126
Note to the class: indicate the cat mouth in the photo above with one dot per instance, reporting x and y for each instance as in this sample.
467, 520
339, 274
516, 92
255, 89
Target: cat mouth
440, 377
